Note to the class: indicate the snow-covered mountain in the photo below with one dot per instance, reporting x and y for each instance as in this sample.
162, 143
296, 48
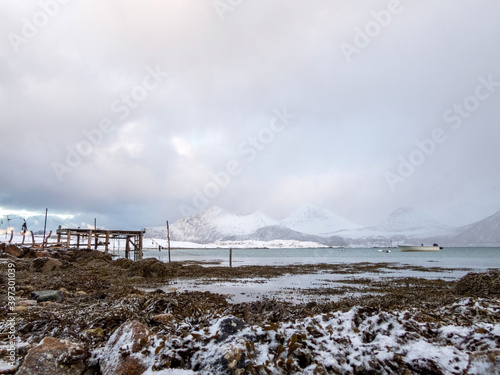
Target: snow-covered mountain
401, 224
412, 221
485, 232
279, 232
214, 224
316, 221
211, 225
311, 224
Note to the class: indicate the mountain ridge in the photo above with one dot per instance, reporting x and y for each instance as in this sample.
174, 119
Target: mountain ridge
310, 223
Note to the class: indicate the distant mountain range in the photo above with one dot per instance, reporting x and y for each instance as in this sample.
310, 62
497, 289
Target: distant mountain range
485, 232
404, 225
308, 224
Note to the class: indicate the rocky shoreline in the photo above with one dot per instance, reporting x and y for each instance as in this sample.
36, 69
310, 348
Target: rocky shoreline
81, 312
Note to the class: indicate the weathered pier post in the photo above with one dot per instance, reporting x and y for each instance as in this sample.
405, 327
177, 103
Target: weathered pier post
168, 241
89, 245
106, 246
68, 238
127, 247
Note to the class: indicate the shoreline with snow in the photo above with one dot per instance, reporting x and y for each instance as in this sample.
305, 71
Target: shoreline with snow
104, 322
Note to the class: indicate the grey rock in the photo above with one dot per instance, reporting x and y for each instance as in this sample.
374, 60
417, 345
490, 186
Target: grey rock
48, 295
229, 327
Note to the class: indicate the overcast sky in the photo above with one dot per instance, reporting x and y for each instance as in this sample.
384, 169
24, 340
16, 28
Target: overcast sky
138, 112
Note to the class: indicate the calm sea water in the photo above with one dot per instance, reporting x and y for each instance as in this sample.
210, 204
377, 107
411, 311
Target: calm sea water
480, 258
456, 262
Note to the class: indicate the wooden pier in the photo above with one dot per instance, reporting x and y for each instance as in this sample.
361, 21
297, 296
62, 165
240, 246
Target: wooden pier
93, 238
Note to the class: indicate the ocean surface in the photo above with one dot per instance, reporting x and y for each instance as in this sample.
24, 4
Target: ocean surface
447, 264
480, 258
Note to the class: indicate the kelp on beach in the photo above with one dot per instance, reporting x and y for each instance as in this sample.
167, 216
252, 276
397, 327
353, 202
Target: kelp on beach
100, 295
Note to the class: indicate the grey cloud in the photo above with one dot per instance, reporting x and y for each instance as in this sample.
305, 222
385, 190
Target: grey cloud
353, 120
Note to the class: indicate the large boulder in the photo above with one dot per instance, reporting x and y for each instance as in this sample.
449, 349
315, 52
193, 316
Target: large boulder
14, 251
122, 354
45, 264
54, 356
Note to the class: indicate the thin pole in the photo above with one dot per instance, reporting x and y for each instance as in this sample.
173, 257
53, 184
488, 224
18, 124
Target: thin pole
96, 235
231, 258
45, 229
168, 242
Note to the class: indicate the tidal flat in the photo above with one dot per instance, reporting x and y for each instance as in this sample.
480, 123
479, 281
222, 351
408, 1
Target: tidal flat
170, 318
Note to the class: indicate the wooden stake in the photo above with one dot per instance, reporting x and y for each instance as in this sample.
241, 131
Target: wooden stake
127, 247
96, 236
107, 242
44, 229
168, 242
231, 258
68, 239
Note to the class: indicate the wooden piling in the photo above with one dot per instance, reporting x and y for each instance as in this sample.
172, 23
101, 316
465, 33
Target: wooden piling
168, 241
127, 247
106, 246
96, 235
139, 250
231, 258
68, 239
44, 229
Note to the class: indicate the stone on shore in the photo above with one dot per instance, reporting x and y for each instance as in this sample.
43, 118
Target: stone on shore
45, 264
122, 353
54, 356
230, 326
48, 295
14, 251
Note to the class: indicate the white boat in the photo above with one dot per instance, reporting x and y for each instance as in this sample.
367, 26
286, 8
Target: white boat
435, 247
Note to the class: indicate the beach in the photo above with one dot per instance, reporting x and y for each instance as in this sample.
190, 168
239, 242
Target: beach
195, 316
